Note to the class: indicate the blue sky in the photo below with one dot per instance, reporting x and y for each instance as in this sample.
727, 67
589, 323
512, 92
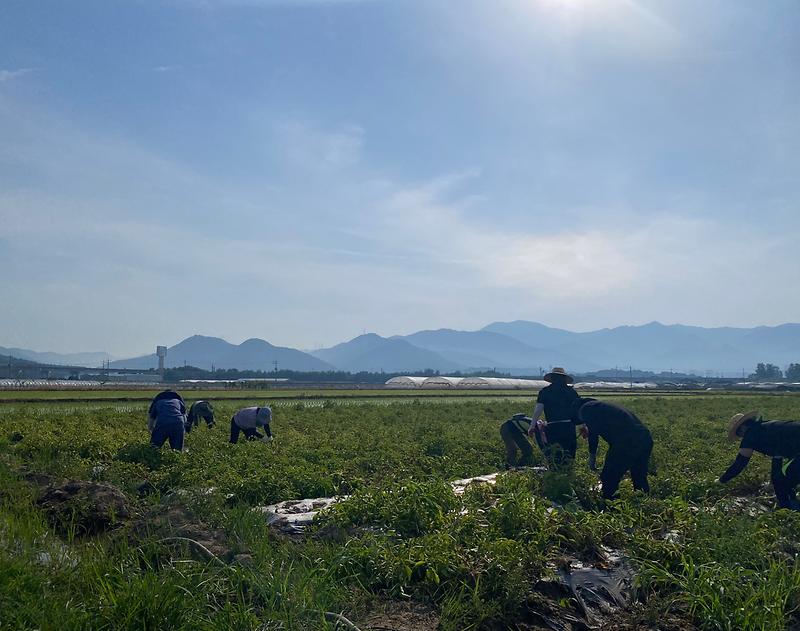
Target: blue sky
304, 171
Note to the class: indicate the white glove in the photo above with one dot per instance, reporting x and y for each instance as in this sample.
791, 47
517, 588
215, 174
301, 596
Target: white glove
267, 439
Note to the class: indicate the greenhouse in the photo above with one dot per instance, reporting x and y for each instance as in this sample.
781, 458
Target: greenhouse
442, 382
484, 383
405, 382
502, 383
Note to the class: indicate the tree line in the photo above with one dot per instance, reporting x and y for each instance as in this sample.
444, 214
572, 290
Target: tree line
771, 371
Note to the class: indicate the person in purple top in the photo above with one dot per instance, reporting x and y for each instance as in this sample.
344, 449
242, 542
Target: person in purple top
248, 420
166, 419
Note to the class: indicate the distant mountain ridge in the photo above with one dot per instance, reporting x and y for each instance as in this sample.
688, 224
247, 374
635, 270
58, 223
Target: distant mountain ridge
204, 352
373, 353
520, 347
90, 360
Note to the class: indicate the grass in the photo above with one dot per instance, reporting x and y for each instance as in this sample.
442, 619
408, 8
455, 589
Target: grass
403, 534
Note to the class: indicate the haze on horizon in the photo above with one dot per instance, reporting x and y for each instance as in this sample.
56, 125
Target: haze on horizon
303, 171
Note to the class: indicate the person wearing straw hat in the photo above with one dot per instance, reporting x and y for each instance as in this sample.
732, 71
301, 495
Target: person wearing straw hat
556, 436
629, 442
778, 439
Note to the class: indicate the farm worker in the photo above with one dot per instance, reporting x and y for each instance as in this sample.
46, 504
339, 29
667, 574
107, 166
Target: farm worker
166, 419
778, 439
513, 434
629, 442
200, 409
558, 440
248, 420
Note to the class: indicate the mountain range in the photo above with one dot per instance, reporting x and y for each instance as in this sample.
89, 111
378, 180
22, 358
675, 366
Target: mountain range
205, 352
519, 347
89, 360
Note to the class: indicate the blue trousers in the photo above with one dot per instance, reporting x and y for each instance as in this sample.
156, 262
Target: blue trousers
173, 432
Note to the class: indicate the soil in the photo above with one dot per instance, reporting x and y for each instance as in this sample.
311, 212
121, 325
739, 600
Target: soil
85, 508
400, 616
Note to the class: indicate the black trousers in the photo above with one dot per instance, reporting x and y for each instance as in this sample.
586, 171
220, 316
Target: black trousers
561, 445
515, 440
623, 458
785, 478
250, 433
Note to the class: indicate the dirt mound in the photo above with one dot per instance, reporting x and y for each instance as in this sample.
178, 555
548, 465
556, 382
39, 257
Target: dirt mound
82, 507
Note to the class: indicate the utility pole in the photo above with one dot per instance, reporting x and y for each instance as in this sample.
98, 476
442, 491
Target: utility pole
275, 366
630, 373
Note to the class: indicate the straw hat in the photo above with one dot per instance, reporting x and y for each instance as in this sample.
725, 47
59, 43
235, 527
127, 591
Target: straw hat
558, 371
737, 420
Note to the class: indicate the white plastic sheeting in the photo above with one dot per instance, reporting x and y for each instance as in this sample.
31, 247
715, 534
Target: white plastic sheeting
34, 384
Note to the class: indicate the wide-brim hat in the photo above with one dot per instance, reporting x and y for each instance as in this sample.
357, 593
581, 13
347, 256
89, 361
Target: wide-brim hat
737, 420
560, 372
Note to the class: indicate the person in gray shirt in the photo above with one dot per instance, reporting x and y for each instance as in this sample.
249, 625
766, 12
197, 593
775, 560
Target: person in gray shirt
248, 420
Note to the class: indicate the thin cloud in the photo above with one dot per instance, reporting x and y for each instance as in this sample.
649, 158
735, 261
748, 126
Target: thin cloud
8, 75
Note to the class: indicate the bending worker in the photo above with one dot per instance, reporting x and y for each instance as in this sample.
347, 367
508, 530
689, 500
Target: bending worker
166, 419
629, 442
558, 440
200, 410
513, 434
248, 420
778, 439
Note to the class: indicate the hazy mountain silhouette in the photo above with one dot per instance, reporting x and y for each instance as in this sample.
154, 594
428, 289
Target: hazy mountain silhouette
89, 360
253, 354
655, 346
487, 349
520, 347
373, 353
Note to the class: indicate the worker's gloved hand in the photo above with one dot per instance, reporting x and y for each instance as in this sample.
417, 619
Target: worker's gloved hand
267, 439
593, 462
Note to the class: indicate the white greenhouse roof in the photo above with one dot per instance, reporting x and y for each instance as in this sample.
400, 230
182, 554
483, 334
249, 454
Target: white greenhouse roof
496, 383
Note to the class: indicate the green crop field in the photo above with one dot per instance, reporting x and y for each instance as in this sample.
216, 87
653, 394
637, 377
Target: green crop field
182, 547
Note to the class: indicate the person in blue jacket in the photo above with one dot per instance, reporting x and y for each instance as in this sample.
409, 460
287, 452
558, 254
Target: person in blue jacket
166, 419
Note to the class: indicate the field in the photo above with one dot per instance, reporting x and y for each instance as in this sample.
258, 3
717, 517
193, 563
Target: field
180, 546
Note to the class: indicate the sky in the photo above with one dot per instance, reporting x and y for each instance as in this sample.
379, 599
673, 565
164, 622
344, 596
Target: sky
305, 171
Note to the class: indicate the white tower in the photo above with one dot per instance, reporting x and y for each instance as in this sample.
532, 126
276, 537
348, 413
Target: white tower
161, 351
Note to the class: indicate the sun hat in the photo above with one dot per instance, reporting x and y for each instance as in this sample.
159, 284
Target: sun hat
265, 413
560, 372
737, 420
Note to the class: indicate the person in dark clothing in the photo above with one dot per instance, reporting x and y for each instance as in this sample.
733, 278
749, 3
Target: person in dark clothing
200, 410
513, 433
629, 442
778, 439
557, 441
166, 419
248, 420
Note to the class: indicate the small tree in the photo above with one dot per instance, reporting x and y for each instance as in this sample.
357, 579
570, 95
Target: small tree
793, 372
